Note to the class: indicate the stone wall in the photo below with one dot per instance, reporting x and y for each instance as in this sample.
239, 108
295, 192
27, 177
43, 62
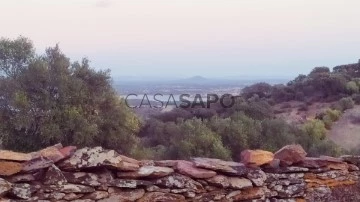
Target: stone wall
94, 174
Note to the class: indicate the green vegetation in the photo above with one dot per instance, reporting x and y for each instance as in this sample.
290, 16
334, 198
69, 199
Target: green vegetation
231, 135
184, 138
352, 87
344, 104
315, 129
320, 85
329, 117
47, 99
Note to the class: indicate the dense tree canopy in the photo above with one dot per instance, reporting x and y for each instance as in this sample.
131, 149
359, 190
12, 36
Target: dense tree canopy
47, 99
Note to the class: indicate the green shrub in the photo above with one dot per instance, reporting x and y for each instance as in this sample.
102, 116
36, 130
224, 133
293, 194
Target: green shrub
238, 132
275, 134
197, 140
352, 87
156, 153
344, 104
330, 116
334, 115
324, 147
315, 128
258, 110
183, 139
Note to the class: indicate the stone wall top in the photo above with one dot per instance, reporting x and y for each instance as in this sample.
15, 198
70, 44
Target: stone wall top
60, 173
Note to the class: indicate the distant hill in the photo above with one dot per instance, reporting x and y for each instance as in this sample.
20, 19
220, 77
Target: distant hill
196, 78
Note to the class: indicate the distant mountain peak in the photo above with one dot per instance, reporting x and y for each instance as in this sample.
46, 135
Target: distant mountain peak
197, 78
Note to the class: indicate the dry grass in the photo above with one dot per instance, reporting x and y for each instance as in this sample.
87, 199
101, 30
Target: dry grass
346, 131
296, 114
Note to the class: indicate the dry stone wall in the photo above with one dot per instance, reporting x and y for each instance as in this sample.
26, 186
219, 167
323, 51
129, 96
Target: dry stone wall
60, 173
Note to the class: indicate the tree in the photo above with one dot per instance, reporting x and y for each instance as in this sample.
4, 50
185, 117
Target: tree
275, 134
238, 132
196, 139
47, 99
173, 115
255, 109
319, 70
182, 139
352, 70
329, 117
261, 89
15, 55
299, 79
282, 93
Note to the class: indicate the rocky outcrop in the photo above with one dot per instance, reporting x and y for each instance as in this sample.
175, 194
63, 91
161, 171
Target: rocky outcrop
64, 174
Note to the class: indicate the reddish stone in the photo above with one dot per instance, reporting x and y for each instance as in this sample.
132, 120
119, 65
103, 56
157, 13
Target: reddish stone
167, 163
219, 181
310, 162
68, 151
337, 166
52, 153
187, 168
332, 159
324, 162
274, 164
290, 154
229, 167
127, 166
129, 160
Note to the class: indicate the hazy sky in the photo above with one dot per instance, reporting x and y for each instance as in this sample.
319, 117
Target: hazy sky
212, 38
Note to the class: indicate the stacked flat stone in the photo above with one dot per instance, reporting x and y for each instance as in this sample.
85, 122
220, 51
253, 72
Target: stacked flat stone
60, 173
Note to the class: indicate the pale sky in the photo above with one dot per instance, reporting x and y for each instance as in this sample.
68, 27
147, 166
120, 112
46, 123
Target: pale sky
211, 38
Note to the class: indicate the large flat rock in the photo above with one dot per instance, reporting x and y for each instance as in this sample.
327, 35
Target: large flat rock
14, 156
256, 157
96, 157
188, 168
8, 168
219, 165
